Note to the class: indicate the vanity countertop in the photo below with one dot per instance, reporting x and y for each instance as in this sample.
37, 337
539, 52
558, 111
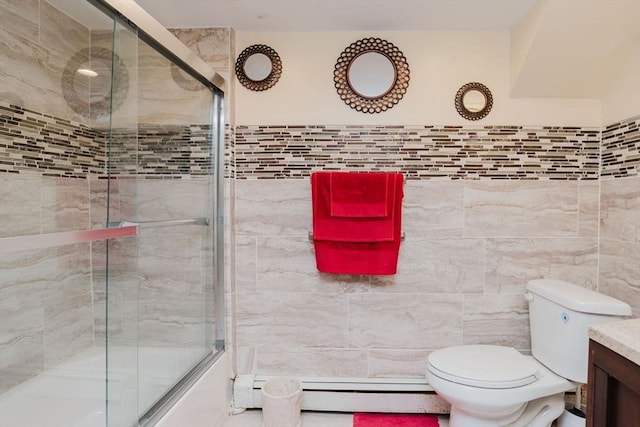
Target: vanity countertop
621, 336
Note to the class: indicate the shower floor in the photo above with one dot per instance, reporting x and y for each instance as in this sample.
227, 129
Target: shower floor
73, 393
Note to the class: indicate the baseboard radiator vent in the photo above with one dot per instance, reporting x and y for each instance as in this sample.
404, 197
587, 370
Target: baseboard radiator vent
336, 394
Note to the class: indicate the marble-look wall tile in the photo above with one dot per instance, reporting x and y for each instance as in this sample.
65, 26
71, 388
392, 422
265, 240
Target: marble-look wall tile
246, 263
404, 321
31, 76
20, 211
162, 101
619, 273
299, 273
589, 208
21, 17
520, 208
273, 207
433, 209
497, 320
280, 319
164, 199
52, 287
437, 266
61, 33
21, 342
620, 209
313, 362
68, 327
510, 263
398, 363
170, 260
210, 44
65, 204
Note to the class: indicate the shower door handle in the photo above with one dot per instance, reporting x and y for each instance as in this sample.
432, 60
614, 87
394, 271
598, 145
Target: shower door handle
50, 240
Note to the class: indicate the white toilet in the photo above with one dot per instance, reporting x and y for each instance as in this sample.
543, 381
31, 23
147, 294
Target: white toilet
491, 386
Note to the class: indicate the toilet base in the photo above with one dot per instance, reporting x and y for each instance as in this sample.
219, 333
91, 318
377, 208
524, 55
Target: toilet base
537, 413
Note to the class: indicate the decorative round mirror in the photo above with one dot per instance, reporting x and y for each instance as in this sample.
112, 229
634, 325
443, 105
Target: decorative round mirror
371, 75
258, 67
474, 101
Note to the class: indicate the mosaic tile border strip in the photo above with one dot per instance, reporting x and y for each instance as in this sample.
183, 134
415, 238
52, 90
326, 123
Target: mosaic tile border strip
32, 141
421, 152
54, 146
621, 149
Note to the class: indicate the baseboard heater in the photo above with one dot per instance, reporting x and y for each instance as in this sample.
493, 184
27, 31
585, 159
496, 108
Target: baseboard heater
336, 394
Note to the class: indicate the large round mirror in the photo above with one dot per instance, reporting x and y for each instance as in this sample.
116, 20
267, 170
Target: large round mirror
258, 67
371, 75
473, 101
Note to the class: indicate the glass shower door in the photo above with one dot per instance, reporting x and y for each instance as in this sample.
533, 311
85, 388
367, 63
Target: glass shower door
162, 177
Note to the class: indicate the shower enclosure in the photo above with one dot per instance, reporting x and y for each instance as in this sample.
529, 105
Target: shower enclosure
110, 212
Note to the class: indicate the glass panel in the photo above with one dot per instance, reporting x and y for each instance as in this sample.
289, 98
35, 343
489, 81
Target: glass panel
174, 182
52, 361
121, 202
95, 333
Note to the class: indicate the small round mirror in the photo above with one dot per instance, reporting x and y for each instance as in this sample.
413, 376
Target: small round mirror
257, 67
371, 75
474, 101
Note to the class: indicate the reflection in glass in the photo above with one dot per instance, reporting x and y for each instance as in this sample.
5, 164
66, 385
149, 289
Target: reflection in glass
258, 67
474, 101
371, 75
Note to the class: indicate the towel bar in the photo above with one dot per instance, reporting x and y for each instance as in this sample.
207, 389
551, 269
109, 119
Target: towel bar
310, 236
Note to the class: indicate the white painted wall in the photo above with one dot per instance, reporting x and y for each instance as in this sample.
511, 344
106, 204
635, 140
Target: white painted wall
440, 62
622, 98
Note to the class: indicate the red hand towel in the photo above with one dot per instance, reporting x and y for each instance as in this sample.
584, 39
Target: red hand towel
350, 229
358, 195
339, 252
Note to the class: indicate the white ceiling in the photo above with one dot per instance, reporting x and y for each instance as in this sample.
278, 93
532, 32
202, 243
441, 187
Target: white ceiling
339, 15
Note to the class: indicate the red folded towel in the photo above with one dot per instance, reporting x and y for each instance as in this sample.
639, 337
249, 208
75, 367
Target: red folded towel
351, 228
359, 195
357, 245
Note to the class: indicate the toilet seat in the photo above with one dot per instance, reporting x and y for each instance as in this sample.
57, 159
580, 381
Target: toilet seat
484, 366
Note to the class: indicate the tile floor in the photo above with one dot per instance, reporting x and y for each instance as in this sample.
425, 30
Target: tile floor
253, 418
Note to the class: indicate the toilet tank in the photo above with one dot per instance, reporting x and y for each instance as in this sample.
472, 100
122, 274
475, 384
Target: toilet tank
560, 314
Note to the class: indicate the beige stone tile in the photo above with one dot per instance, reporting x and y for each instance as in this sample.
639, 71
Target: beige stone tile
65, 204
510, 263
280, 319
407, 321
32, 78
299, 272
437, 266
589, 208
312, 362
210, 44
246, 263
20, 211
273, 207
166, 199
61, 33
496, 319
432, 209
21, 17
21, 343
520, 208
620, 209
398, 363
619, 273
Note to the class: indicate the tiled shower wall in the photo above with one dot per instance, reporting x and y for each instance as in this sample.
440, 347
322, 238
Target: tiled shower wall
619, 267
485, 210
52, 164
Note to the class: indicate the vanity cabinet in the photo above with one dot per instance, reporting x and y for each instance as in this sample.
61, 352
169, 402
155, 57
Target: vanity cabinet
613, 391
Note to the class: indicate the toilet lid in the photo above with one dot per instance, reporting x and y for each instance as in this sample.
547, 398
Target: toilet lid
485, 366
